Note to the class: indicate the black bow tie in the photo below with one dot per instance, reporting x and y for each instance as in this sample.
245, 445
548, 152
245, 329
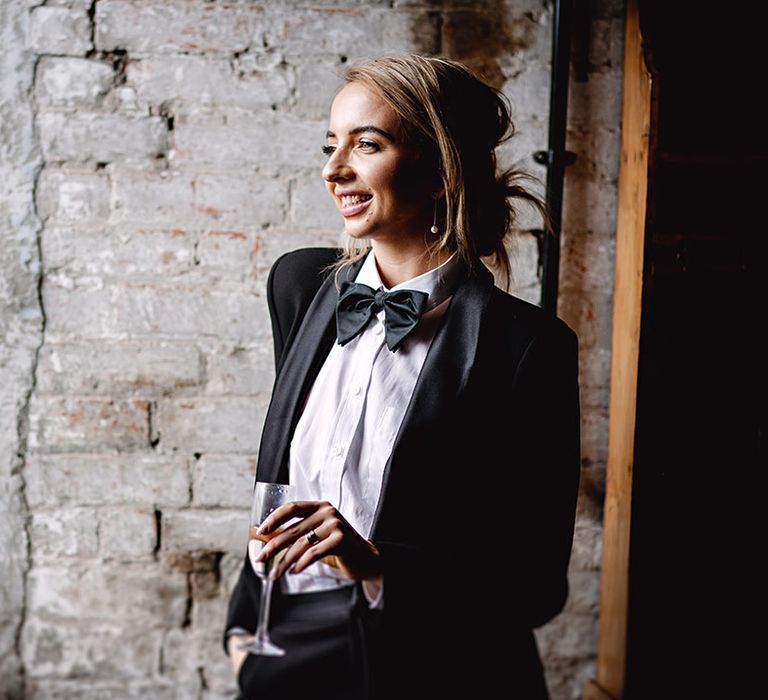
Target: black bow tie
358, 303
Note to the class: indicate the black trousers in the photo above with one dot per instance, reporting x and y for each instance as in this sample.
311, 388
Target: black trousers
324, 658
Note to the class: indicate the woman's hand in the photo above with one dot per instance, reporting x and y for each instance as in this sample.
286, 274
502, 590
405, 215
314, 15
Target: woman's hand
237, 657
340, 544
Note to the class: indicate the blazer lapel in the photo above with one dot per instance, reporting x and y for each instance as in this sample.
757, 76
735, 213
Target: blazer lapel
443, 376
297, 374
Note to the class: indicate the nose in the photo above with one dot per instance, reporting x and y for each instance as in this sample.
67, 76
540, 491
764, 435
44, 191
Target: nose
337, 167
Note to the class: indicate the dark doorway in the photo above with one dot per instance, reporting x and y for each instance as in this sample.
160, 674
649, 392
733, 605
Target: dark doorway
701, 419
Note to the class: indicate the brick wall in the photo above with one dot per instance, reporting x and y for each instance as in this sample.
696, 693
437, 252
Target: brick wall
155, 158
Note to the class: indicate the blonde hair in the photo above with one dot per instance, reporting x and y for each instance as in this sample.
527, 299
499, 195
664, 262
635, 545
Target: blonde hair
455, 121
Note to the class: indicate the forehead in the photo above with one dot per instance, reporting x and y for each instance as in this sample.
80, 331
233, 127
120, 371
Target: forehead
357, 105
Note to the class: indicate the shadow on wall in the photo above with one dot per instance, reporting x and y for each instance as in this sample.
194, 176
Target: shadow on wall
479, 35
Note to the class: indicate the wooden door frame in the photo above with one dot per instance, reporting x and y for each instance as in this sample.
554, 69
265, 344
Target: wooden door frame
625, 348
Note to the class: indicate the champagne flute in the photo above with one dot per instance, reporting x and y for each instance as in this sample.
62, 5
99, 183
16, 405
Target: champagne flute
266, 498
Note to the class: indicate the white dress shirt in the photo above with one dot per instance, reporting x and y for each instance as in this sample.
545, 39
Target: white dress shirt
352, 414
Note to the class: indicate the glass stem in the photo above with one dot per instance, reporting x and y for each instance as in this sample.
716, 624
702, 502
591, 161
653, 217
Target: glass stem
264, 606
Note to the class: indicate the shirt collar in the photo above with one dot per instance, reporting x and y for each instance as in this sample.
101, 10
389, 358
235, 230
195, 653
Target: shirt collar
439, 282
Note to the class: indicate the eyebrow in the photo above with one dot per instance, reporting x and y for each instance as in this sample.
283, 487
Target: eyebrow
363, 129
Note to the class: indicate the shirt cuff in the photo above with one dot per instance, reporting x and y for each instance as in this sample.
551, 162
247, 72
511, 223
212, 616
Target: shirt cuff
374, 594
237, 630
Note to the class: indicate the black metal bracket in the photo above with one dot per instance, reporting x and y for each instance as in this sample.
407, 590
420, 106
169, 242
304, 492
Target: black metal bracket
547, 158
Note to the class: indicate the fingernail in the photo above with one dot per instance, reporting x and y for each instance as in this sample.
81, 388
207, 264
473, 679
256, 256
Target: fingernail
273, 574
292, 570
260, 529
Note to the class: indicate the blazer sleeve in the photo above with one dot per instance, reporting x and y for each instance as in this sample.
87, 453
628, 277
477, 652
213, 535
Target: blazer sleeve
292, 283
546, 458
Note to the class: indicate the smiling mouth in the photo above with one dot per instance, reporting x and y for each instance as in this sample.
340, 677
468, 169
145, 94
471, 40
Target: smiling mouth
354, 204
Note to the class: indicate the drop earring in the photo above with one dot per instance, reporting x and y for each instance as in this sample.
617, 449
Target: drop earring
434, 222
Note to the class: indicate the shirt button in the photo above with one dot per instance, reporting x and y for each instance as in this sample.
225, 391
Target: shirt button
379, 329
358, 389
337, 450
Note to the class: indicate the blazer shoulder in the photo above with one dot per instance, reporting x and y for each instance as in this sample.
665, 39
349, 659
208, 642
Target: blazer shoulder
526, 321
294, 279
302, 265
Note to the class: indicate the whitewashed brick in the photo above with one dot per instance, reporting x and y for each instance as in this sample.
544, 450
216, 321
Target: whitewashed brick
115, 369
50, 689
56, 650
234, 200
100, 137
66, 532
265, 140
78, 311
73, 197
187, 649
590, 183
587, 547
316, 85
207, 530
159, 311
78, 4
568, 636
586, 260
127, 534
224, 481
59, 30
142, 253
196, 81
356, 31
242, 200
592, 318
145, 26
595, 105
240, 371
106, 480
217, 425
523, 257
583, 594
227, 252
68, 424
72, 82
191, 312
136, 594
312, 206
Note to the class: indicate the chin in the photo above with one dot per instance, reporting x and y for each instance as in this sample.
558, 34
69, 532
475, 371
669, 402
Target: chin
359, 235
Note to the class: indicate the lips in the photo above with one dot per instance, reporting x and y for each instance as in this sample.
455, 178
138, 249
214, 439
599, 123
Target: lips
353, 203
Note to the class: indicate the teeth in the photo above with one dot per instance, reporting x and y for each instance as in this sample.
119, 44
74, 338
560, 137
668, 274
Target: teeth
349, 200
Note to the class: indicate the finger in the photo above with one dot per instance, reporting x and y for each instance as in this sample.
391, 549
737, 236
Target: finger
289, 535
303, 548
294, 509
316, 552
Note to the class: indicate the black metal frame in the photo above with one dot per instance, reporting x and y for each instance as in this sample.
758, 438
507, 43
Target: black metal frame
556, 158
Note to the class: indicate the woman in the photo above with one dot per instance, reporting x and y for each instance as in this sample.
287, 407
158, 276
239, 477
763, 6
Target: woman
432, 432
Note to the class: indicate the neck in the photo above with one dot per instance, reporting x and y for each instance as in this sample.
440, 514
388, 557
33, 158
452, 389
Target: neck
397, 264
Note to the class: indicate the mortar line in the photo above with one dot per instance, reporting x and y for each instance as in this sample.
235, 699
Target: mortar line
22, 421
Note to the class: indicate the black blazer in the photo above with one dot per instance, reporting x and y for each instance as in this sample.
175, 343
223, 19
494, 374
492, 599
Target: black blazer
476, 513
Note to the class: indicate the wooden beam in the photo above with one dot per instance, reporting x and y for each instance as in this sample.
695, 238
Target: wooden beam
627, 297
594, 692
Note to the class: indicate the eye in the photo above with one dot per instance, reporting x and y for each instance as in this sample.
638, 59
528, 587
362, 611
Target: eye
328, 150
370, 146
